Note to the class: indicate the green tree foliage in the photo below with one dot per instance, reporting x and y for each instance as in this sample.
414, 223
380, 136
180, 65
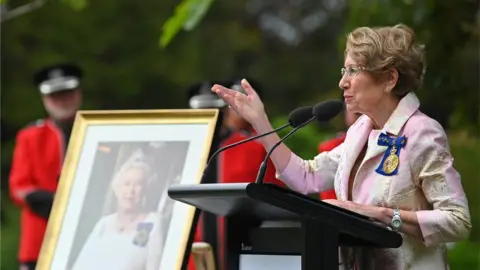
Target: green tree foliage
187, 16
450, 31
117, 44
452, 50
75, 4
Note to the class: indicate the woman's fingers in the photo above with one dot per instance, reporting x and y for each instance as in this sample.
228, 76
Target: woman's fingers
232, 97
221, 89
228, 95
229, 99
248, 88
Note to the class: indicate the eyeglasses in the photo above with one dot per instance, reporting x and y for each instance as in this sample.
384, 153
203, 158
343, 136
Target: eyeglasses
351, 71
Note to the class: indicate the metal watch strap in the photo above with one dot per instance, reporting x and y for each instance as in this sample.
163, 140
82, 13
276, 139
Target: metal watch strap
396, 218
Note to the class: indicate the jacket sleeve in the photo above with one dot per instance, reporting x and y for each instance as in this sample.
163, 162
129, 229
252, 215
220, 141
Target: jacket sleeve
433, 171
312, 176
21, 181
270, 173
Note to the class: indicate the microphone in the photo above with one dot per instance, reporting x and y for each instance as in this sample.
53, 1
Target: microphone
296, 118
326, 110
323, 111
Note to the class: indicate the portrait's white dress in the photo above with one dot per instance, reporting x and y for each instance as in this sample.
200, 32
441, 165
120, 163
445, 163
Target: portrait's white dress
107, 248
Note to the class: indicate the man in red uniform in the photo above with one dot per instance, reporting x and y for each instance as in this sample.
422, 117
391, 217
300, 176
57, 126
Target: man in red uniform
240, 164
200, 96
237, 164
39, 153
326, 146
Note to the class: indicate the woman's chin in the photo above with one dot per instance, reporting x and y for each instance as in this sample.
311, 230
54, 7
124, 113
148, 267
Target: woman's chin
351, 107
128, 207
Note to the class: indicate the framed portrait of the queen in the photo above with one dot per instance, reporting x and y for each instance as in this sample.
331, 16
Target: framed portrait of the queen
111, 209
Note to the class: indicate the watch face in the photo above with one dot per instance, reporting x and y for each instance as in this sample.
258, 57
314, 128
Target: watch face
396, 223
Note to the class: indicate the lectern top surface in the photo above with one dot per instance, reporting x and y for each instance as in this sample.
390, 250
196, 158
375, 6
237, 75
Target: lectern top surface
228, 200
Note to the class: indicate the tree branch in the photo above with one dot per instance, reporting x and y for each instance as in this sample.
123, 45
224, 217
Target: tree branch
10, 14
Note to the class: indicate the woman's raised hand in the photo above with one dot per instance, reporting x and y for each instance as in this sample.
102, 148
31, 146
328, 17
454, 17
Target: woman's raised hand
248, 106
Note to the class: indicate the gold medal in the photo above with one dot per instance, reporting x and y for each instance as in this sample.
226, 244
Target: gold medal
141, 238
391, 162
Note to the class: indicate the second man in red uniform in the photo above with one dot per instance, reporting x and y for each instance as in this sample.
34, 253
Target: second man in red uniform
38, 156
239, 164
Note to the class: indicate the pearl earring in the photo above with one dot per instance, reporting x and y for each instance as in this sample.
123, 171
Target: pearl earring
386, 90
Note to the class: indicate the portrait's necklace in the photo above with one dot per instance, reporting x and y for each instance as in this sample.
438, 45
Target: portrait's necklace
122, 225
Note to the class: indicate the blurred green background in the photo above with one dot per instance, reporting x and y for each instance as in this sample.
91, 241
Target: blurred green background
294, 48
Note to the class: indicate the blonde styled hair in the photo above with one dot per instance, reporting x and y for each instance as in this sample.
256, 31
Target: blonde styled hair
380, 49
138, 160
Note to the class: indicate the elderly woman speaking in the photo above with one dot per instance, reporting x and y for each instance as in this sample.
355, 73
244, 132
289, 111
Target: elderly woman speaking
395, 165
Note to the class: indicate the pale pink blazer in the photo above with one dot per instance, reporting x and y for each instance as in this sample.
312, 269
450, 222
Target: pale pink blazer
426, 182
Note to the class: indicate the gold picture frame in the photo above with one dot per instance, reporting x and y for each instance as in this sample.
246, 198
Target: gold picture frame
156, 127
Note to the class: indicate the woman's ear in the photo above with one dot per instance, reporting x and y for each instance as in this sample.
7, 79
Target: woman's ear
392, 78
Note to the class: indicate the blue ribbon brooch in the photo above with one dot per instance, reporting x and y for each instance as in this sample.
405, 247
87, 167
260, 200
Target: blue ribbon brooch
143, 233
389, 164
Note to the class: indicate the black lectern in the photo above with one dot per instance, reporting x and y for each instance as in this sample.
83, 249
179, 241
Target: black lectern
321, 227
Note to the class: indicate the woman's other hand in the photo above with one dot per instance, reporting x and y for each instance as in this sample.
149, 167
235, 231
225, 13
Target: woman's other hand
334, 202
373, 212
248, 106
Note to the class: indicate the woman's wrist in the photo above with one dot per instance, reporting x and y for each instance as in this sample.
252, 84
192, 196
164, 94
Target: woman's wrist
379, 213
261, 123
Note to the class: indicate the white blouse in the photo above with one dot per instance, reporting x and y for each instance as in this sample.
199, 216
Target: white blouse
106, 248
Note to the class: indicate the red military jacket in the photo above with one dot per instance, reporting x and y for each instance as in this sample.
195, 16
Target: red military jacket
36, 165
238, 164
325, 147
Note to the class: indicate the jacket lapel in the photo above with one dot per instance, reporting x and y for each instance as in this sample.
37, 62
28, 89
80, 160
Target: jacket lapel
405, 109
355, 145
374, 149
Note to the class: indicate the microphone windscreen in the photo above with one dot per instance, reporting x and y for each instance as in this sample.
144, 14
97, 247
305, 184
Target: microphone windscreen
324, 111
300, 116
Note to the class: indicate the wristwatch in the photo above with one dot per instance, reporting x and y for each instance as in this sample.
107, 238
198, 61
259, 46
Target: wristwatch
396, 220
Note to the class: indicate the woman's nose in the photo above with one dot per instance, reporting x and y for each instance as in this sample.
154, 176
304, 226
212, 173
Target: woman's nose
343, 84
129, 190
